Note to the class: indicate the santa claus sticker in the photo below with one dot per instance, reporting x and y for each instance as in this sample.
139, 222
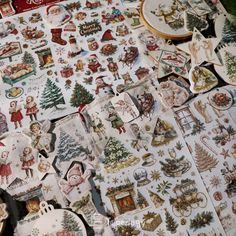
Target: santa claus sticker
57, 15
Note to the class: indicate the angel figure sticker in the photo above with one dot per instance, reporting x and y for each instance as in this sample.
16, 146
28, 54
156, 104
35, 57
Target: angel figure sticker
201, 49
41, 140
125, 107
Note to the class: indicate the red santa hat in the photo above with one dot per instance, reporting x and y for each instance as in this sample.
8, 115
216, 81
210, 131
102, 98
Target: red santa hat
52, 6
100, 77
94, 56
75, 170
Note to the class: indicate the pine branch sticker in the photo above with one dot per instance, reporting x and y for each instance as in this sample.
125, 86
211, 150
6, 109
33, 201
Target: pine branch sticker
201, 220
204, 160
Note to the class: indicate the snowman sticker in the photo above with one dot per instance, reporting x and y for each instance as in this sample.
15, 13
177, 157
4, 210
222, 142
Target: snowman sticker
76, 183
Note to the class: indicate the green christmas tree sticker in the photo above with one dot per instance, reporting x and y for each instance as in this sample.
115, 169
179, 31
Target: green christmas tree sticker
80, 96
52, 96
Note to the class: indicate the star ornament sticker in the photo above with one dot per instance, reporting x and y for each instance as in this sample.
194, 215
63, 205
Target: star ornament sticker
201, 49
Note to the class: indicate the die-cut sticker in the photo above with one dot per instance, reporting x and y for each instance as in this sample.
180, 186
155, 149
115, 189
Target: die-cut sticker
221, 99
64, 221
228, 69
173, 93
191, 20
202, 79
115, 161
201, 49
57, 15
9, 50
164, 132
125, 107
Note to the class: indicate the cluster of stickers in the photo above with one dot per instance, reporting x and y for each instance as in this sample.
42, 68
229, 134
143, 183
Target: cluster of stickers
49, 56
143, 156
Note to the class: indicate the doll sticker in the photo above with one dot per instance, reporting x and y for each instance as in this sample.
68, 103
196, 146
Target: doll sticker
16, 115
27, 158
41, 140
5, 167
31, 108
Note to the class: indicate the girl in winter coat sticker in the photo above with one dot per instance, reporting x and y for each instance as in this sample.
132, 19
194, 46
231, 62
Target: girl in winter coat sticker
5, 167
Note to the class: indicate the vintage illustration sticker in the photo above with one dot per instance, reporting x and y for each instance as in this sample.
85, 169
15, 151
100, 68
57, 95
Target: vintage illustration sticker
228, 68
59, 221
220, 99
173, 92
225, 29
192, 21
57, 15
201, 49
125, 107
165, 18
202, 79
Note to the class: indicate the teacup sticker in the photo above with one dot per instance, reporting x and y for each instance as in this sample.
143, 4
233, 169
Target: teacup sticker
201, 79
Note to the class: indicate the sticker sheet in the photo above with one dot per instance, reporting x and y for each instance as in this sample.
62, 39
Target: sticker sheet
51, 55
107, 129
209, 132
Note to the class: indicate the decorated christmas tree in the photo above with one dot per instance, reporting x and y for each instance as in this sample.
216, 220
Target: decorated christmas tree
201, 220
80, 96
69, 223
192, 20
52, 96
28, 59
117, 156
229, 32
204, 160
230, 63
141, 200
68, 148
171, 224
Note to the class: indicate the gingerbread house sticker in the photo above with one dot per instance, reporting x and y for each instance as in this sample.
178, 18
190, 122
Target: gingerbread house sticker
122, 198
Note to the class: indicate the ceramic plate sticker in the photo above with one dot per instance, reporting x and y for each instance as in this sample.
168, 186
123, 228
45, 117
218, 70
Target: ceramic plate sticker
220, 99
57, 222
161, 19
